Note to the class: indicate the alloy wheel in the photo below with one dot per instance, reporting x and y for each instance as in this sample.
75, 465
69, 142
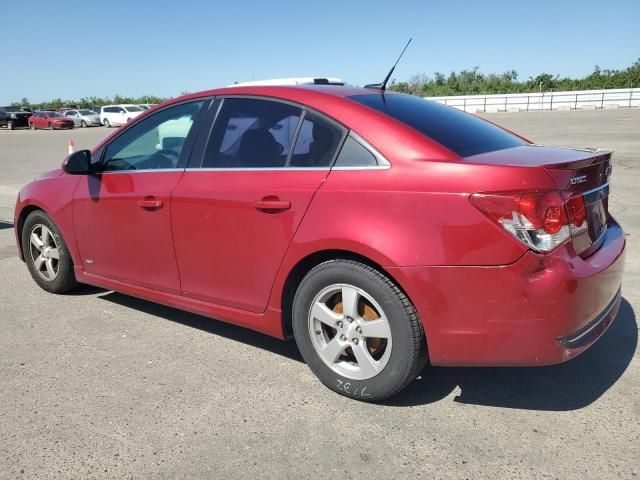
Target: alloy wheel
44, 252
350, 331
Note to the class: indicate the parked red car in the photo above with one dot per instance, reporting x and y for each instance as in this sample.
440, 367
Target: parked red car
380, 230
49, 120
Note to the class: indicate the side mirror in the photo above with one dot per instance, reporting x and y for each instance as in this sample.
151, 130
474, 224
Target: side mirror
78, 163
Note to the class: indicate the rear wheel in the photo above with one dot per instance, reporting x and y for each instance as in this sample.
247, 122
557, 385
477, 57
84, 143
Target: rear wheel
106, 123
357, 330
46, 254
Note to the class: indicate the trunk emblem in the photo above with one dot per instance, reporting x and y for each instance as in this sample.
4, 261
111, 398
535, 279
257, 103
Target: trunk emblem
577, 180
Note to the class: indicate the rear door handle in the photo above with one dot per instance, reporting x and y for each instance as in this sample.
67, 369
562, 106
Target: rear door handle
275, 205
150, 203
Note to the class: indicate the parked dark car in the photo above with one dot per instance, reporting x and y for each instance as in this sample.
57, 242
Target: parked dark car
12, 117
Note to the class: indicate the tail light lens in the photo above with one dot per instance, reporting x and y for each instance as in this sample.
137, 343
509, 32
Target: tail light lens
541, 220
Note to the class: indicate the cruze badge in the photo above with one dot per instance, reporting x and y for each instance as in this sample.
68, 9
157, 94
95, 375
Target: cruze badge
577, 180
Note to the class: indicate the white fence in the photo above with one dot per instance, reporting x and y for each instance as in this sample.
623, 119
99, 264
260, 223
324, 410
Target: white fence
519, 102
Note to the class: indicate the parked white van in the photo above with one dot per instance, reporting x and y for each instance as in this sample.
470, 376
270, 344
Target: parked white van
116, 115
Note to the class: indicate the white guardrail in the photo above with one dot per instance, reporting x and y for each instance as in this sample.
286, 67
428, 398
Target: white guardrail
524, 102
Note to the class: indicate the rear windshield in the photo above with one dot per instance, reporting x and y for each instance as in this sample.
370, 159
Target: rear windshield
463, 134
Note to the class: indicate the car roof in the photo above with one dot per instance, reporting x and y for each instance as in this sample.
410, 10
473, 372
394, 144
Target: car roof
292, 81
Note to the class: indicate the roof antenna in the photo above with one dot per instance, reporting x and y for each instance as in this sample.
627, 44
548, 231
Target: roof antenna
382, 86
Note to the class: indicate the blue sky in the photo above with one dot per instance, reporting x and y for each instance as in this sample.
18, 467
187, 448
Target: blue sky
71, 49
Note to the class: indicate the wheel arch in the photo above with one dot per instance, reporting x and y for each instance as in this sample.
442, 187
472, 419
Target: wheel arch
24, 213
307, 263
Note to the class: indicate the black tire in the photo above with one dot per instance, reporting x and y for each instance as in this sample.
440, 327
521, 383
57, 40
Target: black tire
83, 124
106, 123
10, 125
408, 354
33, 126
65, 279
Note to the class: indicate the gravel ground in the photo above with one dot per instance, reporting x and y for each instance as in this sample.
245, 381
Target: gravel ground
101, 385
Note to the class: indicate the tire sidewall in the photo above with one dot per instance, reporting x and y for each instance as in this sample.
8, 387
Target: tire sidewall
66, 277
394, 373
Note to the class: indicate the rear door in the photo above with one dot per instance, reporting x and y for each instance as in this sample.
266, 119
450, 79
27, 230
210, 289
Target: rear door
122, 215
238, 205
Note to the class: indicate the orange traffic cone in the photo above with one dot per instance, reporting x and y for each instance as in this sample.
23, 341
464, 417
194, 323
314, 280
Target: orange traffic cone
72, 147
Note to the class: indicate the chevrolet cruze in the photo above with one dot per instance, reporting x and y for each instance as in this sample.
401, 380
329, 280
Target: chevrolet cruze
380, 230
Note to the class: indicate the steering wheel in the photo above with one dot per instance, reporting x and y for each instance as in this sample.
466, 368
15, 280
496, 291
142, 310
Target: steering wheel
169, 156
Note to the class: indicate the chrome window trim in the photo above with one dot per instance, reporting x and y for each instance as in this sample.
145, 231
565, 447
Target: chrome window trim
258, 169
142, 170
370, 167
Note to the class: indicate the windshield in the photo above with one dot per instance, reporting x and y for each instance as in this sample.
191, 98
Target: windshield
463, 134
133, 109
86, 112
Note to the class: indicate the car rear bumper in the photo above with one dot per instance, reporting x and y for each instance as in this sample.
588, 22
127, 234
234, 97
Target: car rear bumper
540, 310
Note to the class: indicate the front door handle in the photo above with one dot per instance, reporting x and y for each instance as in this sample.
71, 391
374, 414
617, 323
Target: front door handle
150, 203
272, 205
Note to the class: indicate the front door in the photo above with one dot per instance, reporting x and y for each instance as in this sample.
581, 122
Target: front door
122, 215
236, 211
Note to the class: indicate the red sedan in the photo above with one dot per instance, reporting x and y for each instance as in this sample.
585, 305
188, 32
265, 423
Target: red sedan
380, 230
49, 120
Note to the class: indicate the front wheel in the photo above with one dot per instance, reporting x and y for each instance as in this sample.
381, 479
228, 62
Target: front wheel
10, 125
357, 331
83, 124
46, 254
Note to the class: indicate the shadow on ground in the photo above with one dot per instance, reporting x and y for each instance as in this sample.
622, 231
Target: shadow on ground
215, 327
569, 386
4, 224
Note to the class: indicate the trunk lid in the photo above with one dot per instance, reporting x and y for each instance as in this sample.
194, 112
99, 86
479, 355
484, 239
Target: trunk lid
575, 171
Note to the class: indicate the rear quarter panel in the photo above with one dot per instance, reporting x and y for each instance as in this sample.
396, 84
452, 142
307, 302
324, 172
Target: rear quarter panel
415, 213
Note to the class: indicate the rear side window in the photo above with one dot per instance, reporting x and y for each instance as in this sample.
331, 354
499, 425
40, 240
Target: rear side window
463, 134
354, 154
317, 142
252, 133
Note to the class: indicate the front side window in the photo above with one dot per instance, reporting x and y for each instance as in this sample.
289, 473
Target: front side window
252, 133
154, 143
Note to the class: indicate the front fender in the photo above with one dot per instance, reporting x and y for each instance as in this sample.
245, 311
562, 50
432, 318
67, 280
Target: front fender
52, 195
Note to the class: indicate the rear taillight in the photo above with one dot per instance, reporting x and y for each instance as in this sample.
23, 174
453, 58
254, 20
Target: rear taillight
541, 220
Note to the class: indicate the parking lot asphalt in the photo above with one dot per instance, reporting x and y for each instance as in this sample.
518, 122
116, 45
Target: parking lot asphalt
97, 384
